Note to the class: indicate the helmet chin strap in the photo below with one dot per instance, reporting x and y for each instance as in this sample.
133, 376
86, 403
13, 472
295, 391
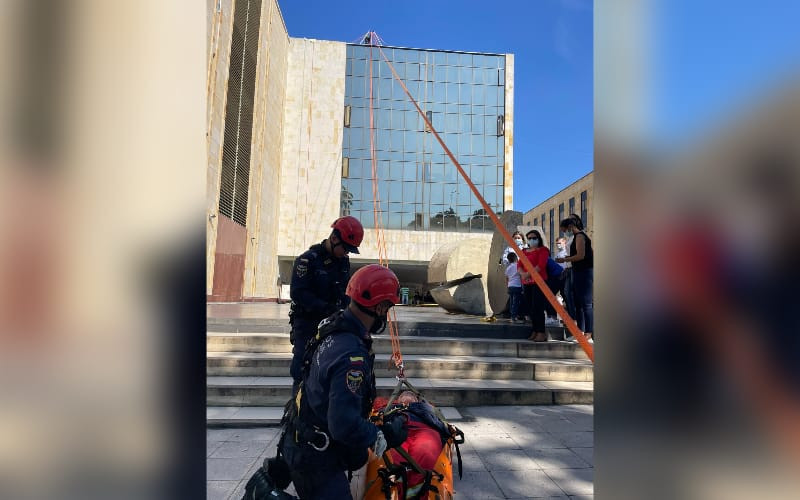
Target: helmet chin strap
378, 323
338, 237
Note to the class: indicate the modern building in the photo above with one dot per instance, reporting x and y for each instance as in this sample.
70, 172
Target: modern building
577, 198
289, 148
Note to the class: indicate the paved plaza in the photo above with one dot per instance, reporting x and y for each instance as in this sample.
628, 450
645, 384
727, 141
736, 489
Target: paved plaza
510, 452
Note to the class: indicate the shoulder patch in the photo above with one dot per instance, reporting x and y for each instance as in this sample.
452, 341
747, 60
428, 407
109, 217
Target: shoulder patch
301, 269
354, 379
327, 262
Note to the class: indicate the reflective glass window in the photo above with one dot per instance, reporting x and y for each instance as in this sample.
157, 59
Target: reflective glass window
491, 146
477, 144
359, 67
397, 120
401, 71
476, 174
478, 94
382, 119
477, 124
436, 193
465, 75
464, 144
464, 124
452, 92
452, 74
358, 88
409, 172
464, 93
490, 123
357, 138
411, 141
358, 117
451, 123
412, 71
437, 172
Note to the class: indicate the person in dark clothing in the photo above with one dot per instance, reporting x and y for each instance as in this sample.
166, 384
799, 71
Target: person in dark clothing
581, 256
327, 430
319, 280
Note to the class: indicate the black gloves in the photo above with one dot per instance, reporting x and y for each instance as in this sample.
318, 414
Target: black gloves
395, 430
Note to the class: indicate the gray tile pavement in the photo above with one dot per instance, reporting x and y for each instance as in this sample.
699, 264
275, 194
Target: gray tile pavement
510, 452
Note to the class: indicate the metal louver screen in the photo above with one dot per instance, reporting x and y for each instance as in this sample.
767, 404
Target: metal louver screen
239, 111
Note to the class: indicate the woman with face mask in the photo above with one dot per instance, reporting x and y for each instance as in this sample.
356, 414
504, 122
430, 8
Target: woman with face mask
537, 254
519, 241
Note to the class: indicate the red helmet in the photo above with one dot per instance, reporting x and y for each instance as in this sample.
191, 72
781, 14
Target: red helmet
350, 231
373, 284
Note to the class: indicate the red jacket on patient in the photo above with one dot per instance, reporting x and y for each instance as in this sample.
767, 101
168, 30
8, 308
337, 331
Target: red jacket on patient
424, 443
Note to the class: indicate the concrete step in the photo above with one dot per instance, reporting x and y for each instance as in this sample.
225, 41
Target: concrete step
275, 391
422, 366
217, 341
257, 416
459, 326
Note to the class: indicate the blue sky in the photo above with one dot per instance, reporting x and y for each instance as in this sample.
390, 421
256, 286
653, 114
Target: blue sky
552, 45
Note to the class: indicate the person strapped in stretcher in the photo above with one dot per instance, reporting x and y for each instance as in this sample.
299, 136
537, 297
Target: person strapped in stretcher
421, 467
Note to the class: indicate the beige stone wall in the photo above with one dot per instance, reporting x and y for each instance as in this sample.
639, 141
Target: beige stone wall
508, 167
412, 245
585, 183
219, 26
261, 258
311, 173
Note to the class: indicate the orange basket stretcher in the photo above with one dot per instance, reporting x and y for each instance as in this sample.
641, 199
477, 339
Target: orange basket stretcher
386, 476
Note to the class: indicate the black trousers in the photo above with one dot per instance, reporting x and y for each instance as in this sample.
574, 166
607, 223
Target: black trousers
535, 300
556, 285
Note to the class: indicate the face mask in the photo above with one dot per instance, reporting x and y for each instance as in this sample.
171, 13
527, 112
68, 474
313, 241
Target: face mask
534, 241
379, 325
518, 242
561, 246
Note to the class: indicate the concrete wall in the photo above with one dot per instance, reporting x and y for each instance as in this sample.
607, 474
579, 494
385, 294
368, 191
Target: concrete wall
261, 262
266, 146
311, 175
508, 159
585, 183
220, 25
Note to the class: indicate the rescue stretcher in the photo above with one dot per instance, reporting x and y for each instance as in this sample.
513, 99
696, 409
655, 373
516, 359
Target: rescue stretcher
386, 476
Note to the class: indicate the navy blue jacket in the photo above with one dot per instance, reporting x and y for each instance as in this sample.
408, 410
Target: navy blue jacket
340, 386
319, 281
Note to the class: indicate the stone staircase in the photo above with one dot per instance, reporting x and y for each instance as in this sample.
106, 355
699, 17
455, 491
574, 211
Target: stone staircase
248, 365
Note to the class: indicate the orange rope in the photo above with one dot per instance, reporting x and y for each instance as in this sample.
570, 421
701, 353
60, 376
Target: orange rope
568, 321
383, 258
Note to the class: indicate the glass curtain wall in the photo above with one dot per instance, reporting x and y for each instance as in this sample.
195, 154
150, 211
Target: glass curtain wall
419, 188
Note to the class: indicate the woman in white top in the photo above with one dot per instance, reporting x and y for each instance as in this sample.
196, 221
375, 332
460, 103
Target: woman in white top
519, 241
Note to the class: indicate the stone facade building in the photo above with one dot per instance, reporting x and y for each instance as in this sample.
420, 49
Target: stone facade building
289, 151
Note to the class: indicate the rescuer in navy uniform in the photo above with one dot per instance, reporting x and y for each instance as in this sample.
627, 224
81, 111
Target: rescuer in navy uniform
327, 431
319, 281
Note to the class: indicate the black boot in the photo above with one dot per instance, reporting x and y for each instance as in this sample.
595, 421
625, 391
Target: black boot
263, 486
